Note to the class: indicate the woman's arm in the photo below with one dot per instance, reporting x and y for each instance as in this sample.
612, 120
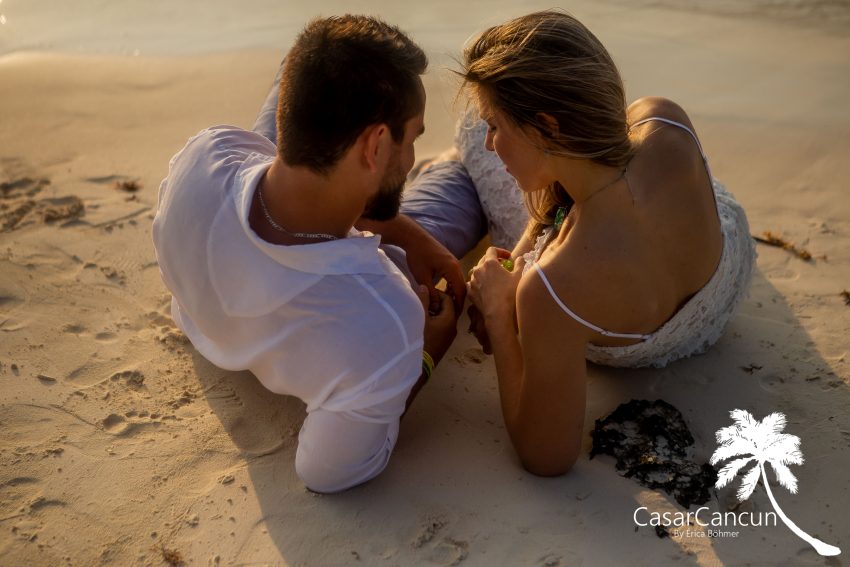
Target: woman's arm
540, 366
524, 246
544, 403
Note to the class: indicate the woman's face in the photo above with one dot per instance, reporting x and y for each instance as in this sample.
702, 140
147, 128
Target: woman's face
522, 159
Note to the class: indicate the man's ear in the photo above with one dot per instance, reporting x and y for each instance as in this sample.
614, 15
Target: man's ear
376, 141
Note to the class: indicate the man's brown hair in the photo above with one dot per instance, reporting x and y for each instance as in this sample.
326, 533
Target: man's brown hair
343, 74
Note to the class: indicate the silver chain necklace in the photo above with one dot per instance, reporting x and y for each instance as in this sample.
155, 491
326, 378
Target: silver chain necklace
277, 227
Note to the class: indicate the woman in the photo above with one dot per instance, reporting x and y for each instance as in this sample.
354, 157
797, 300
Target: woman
633, 254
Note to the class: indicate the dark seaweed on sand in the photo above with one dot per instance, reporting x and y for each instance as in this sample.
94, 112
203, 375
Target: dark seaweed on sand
129, 185
775, 240
650, 441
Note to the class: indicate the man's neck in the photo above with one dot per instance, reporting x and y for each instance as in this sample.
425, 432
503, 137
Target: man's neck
302, 201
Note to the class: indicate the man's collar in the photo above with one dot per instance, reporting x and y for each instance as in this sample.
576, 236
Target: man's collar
356, 254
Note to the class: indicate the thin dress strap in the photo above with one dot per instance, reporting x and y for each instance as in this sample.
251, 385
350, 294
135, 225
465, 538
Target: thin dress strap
557, 299
686, 129
587, 324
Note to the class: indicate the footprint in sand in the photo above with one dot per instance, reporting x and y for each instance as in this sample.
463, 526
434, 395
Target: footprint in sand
166, 331
784, 274
19, 205
25, 496
550, 560
471, 356
14, 296
449, 551
429, 528
133, 379
105, 337
159, 320
113, 275
771, 382
121, 426
9, 300
40, 502
68, 209
74, 328
10, 325
120, 182
442, 551
18, 489
114, 423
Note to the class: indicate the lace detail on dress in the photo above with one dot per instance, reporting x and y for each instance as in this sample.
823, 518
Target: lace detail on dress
533, 256
500, 197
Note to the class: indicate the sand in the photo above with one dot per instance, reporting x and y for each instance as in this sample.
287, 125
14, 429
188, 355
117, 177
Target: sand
120, 445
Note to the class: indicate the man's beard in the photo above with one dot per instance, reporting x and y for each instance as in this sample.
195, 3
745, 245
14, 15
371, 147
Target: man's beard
385, 203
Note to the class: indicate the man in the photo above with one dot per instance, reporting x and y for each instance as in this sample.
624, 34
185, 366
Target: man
267, 273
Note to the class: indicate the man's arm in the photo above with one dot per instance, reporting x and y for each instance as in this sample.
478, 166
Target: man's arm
440, 332
428, 259
337, 451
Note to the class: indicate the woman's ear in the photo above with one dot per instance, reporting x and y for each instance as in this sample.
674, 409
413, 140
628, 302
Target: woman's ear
549, 124
376, 140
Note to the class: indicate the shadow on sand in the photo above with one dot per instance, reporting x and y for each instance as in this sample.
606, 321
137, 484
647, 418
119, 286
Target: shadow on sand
454, 491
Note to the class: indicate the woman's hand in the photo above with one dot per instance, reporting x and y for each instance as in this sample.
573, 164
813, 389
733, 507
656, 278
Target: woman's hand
492, 287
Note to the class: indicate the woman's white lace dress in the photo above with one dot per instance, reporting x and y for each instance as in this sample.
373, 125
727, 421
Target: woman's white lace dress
692, 329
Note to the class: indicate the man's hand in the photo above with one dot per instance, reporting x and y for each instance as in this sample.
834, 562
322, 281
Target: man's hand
439, 333
427, 259
440, 324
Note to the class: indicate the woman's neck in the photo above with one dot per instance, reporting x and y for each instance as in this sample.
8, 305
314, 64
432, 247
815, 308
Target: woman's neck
584, 179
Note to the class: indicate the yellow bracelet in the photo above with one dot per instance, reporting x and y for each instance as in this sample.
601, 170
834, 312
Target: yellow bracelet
427, 364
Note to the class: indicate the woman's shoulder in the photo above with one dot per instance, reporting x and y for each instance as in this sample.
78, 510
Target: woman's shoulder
599, 280
664, 146
657, 107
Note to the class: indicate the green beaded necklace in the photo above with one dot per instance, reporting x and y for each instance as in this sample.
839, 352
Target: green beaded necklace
560, 215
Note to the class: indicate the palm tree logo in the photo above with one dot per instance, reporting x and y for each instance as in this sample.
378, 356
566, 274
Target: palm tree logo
762, 441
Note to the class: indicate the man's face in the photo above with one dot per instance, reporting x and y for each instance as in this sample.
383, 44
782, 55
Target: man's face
385, 203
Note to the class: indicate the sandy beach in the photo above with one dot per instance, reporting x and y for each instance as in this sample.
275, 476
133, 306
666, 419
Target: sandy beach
121, 445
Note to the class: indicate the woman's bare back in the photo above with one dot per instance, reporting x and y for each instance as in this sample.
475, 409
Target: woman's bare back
642, 247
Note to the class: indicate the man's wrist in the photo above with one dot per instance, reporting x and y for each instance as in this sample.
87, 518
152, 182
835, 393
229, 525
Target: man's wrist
395, 231
427, 364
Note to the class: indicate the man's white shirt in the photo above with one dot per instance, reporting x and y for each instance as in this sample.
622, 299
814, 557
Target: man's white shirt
334, 323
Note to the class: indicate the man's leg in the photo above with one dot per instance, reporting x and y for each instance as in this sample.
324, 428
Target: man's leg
459, 200
336, 452
442, 199
266, 122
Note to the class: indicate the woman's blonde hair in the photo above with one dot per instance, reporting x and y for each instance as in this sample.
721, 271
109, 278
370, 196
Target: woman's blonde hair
550, 63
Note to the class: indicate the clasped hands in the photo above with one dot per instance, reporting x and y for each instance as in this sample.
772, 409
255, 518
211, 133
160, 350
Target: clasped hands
492, 290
